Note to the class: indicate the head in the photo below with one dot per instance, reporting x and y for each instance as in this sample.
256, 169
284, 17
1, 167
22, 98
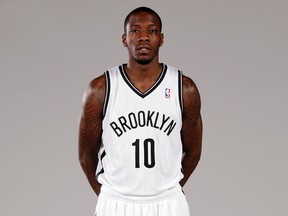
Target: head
142, 9
142, 35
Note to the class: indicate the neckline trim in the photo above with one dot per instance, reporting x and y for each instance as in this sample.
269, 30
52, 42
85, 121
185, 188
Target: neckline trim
136, 90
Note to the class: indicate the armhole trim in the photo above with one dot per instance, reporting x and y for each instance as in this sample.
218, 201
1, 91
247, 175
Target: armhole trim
101, 161
180, 90
107, 93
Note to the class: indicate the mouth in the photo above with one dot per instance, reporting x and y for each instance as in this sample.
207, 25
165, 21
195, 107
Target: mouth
143, 49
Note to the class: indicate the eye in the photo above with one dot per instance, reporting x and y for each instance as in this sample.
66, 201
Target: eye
151, 31
134, 30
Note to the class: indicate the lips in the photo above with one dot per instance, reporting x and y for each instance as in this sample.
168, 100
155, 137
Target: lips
143, 48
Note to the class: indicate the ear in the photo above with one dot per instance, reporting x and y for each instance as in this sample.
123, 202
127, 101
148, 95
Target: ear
161, 39
124, 41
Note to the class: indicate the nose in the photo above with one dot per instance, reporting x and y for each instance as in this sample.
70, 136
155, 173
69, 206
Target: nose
143, 36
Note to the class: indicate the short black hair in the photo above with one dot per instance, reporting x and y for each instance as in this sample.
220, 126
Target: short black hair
142, 9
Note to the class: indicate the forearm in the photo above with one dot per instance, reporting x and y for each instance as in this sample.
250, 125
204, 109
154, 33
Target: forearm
189, 163
89, 166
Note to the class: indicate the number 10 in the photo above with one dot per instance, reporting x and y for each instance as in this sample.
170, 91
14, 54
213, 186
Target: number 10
146, 143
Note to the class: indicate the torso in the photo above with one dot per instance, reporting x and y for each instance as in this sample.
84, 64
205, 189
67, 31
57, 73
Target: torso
141, 148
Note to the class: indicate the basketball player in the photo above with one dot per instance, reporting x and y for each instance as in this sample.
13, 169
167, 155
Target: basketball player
140, 131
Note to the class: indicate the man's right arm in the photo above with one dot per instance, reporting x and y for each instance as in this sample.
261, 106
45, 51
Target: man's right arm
90, 130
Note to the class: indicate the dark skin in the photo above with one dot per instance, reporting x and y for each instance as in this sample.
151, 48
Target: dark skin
142, 39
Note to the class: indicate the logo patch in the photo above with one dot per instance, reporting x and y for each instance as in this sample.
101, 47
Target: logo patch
167, 92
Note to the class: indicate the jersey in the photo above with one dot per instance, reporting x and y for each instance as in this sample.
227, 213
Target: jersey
141, 148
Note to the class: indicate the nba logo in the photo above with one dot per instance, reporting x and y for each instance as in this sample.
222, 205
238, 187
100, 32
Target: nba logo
167, 92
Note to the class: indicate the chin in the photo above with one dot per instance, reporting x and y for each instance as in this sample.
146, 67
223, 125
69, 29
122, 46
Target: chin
143, 61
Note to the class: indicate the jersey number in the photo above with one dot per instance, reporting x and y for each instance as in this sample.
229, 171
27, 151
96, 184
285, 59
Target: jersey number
149, 150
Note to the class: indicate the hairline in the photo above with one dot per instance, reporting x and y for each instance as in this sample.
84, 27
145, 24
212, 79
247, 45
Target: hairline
142, 10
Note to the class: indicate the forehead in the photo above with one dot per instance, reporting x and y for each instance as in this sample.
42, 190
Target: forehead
143, 18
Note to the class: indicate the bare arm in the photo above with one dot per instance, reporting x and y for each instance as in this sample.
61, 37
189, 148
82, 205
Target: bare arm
191, 132
90, 130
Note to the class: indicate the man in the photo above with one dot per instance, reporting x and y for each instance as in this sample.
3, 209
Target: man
143, 121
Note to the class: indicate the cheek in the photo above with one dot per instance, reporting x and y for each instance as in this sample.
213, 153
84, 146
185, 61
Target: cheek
130, 42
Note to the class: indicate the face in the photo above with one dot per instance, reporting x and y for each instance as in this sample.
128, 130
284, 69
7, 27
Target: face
143, 37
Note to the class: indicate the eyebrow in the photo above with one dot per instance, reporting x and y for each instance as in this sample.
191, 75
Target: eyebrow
137, 25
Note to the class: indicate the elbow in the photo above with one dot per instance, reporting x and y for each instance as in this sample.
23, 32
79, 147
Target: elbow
82, 158
198, 157
87, 160
194, 156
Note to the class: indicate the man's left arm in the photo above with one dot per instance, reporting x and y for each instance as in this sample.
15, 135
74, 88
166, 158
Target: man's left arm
191, 132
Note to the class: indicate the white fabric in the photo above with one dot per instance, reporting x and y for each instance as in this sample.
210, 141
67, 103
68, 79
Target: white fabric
152, 120
111, 204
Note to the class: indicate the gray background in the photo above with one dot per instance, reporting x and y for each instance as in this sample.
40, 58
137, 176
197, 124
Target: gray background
236, 52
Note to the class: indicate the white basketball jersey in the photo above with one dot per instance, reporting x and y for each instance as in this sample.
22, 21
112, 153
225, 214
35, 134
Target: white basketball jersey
141, 147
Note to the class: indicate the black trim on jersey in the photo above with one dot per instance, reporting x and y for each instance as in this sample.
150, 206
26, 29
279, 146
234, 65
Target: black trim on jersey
107, 92
102, 170
180, 85
99, 173
151, 89
183, 191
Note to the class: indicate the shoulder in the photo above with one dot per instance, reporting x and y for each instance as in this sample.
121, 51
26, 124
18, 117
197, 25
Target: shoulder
191, 96
96, 89
94, 95
97, 83
96, 86
189, 85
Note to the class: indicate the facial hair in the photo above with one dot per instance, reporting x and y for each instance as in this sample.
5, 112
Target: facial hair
143, 62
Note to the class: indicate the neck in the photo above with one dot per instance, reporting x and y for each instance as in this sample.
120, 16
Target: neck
135, 69
143, 76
